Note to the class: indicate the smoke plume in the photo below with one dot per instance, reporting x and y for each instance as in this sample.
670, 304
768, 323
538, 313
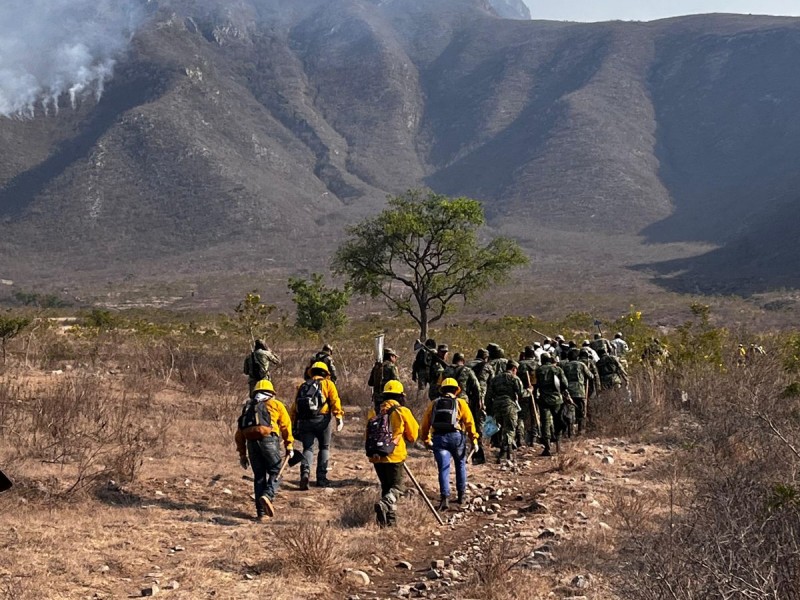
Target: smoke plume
54, 51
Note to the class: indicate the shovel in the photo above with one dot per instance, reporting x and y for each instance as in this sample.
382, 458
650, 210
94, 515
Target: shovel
5, 483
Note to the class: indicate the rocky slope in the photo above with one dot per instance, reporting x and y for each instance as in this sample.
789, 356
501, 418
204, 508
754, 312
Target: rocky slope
233, 131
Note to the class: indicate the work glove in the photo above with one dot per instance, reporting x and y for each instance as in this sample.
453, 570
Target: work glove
339, 423
289, 453
244, 462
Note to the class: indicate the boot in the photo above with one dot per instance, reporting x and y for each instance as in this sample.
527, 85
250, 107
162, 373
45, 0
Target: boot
443, 504
460, 498
479, 457
546, 451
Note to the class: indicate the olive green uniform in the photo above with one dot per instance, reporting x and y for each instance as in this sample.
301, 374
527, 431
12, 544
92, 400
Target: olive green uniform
578, 378
550, 382
388, 372
611, 372
483, 373
528, 426
502, 397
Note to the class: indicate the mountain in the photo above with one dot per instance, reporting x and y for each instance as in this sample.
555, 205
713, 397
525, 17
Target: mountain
511, 9
244, 135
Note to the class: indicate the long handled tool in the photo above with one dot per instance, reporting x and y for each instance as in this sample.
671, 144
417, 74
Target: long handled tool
283, 466
5, 482
421, 491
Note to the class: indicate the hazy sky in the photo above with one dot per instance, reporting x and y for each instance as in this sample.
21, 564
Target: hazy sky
646, 10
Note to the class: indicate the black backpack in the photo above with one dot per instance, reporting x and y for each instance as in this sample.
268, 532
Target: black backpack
309, 400
255, 422
444, 415
380, 441
257, 370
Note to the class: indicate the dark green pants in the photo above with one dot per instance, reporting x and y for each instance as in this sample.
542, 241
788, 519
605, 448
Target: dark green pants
507, 417
391, 477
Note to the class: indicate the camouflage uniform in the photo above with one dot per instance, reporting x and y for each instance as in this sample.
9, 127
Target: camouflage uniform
389, 372
467, 381
611, 372
483, 373
262, 358
502, 395
601, 345
528, 428
578, 377
549, 399
594, 382
434, 377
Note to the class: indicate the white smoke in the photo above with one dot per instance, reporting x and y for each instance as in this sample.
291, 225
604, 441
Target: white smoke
59, 50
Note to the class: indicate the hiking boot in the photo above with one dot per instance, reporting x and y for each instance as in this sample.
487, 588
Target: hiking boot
444, 504
460, 498
479, 457
266, 505
324, 483
304, 482
381, 514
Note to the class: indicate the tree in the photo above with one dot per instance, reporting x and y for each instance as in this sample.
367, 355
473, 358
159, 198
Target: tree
10, 327
252, 315
422, 252
318, 306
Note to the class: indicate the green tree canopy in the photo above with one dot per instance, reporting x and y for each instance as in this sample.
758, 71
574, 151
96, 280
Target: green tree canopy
318, 307
422, 252
10, 327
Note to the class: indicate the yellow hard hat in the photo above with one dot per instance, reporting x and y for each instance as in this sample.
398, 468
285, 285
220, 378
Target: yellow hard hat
264, 385
450, 383
321, 366
393, 387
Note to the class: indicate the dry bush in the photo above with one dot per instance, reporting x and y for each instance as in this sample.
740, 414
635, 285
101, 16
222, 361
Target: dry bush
501, 574
315, 550
359, 510
86, 427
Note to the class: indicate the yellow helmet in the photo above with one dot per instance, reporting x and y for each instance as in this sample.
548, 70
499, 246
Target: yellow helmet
450, 383
264, 385
321, 366
393, 387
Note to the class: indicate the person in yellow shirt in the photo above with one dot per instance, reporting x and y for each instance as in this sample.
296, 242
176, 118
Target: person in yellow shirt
389, 426
316, 401
447, 424
263, 423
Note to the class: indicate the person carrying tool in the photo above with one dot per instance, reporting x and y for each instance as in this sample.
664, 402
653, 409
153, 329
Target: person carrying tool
422, 364
528, 423
263, 423
502, 402
438, 365
382, 373
551, 385
578, 378
446, 425
389, 426
317, 399
257, 363
480, 366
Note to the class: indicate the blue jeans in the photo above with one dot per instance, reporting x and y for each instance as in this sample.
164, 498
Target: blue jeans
446, 446
317, 430
265, 459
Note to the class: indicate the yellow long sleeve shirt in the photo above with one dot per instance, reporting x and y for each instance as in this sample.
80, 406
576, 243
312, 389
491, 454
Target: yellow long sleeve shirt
332, 405
404, 429
464, 422
281, 424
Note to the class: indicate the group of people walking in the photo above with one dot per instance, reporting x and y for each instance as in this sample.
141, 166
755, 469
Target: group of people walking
492, 399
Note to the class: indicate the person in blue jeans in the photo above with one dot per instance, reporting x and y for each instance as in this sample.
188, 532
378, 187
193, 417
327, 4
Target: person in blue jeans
447, 425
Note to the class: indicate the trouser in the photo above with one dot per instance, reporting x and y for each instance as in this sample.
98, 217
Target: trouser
480, 416
547, 414
391, 477
317, 429
528, 423
265, 459
447, 446
580, 412
506, 415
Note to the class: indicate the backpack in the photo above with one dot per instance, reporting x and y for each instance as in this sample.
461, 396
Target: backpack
444, 415
550, 381
309, 400
255, 422
256, 370
380, 441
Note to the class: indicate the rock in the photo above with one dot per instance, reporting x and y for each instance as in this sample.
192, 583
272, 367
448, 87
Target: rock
422, 585
437, 564
536, 507
356, 577
547, 533
150, 591
640, 451
249, 576
404, 591
433, 574
604, 526
404, 565
495, 506
227, 492
159, 493
172, 585
103, 569
608, 460
581, 515
177, 548
580, 582
434, 543
477, 501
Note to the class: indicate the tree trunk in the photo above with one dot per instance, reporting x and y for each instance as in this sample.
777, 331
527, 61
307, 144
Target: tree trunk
423, 322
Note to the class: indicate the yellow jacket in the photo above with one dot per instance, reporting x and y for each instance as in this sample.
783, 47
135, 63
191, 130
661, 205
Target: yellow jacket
404, 429
333, 403
281, 424
465, 422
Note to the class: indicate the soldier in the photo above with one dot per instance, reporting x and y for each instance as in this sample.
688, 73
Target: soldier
257, 364
437, 367
528, 427
468, 383
594, 382
612, 374
497, 358
422, 364
382, 373
483, 372
550, 384
600, 342
655, 353
325, 356
502, 401
578, 378
538, 351
619, 345
586, 345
